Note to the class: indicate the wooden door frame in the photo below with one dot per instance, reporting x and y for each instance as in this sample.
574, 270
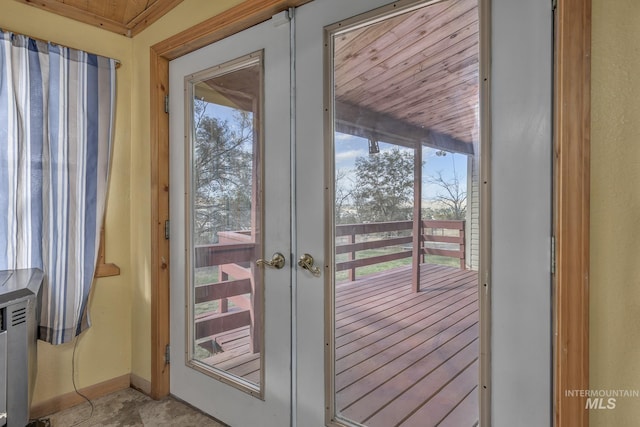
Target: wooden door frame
571, 189
572, 135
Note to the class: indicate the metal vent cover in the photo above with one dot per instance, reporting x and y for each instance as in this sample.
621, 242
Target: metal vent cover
19, 316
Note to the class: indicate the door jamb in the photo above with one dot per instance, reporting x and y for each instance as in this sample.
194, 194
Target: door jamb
572, 127
571, 188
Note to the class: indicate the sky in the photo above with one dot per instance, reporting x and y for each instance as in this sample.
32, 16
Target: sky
348, 148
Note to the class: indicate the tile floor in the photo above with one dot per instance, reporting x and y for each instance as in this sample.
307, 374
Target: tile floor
131, 408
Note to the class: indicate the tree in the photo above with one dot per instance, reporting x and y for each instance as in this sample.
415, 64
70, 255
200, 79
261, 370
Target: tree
451, 197
223, 173
384, 186
343, 196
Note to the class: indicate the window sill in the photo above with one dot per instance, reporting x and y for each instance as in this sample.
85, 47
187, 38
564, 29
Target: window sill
104, 269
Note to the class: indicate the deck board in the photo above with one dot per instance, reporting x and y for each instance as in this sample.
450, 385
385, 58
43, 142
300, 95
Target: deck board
396, 330
406, 359
402, 359
431, 377
439, 408
375, 371
397, 301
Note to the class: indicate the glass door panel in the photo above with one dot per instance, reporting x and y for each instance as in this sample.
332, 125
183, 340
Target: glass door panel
405, 149
230, 212
225, 211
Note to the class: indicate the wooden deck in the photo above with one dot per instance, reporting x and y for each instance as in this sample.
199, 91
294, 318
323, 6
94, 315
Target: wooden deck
402, 359
406, 359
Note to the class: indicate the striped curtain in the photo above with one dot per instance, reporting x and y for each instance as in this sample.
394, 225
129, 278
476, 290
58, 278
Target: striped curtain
56, 118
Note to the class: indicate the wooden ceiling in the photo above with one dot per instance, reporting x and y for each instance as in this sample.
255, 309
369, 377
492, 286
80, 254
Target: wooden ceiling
126, 17
412, 77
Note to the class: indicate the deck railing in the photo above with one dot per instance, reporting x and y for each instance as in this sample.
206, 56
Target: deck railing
438, 237
236, 252
236, 284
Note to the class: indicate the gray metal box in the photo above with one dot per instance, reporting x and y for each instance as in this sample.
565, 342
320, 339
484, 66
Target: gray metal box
20, 300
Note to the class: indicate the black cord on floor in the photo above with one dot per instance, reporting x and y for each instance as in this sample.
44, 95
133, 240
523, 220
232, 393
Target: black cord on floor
42, 422
73, 380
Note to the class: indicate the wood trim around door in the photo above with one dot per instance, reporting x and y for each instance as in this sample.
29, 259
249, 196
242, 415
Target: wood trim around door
572, 127
231, 21
571, 194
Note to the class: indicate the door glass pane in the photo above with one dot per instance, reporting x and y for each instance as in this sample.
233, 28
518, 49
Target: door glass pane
405, 322
225, 292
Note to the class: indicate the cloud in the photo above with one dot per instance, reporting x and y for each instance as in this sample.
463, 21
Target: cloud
387, 148
342, 136
349, 155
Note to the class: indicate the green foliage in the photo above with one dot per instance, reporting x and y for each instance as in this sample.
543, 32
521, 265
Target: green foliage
223, 170
384, 186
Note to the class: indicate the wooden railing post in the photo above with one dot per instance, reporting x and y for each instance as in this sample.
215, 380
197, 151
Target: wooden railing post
351, 256
255, 311
223, 305
417, 216
424, 238
463, 248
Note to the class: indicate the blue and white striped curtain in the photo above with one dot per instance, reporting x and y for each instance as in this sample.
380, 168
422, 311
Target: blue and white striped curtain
56, 118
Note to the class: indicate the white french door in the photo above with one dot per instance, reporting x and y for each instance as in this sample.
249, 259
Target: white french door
294, 161
230, 208
515, 181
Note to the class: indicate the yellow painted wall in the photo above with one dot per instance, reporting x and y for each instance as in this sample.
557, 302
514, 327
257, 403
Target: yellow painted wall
184, 16
119, 341
104, 351
615, 208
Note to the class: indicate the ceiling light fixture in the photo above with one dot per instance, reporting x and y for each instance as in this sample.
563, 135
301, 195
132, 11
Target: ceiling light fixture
374, 148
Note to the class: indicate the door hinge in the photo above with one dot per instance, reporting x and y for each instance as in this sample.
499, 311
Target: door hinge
553, 255
167, 230
554, 4
166, 104
167, 355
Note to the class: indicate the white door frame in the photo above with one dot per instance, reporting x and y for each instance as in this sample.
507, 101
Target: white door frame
519, 270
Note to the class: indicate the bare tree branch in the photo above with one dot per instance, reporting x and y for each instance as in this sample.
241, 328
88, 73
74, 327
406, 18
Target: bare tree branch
450, 195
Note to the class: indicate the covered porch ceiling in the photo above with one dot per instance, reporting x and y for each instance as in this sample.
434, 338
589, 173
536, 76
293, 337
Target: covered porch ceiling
413, 77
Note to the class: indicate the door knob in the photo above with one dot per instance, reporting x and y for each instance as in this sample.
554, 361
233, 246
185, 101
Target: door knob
306, 262
277, 261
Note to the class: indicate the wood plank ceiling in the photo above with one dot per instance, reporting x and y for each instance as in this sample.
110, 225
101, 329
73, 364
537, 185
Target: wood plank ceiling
126, 17
412, 77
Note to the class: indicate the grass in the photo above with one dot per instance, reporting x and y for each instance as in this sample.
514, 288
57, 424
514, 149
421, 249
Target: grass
206, 275
200, 353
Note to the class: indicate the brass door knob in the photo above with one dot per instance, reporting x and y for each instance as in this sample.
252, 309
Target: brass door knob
277, 261
306, 262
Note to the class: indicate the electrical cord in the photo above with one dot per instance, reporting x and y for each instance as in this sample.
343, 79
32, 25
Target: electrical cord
73, 380
45, 421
